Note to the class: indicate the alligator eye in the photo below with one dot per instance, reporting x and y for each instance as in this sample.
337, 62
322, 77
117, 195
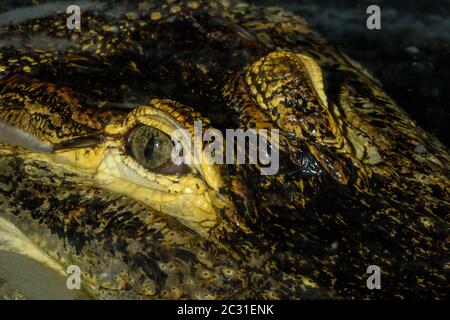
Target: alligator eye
150, 147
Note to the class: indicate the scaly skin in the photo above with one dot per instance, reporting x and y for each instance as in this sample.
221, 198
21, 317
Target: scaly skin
355, 170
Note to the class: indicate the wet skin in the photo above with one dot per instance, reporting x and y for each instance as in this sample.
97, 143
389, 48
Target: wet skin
359, 183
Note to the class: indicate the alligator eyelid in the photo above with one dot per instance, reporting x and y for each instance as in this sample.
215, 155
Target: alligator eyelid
79, 142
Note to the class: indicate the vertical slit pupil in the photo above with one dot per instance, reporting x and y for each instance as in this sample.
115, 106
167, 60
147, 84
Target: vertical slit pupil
149, 148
